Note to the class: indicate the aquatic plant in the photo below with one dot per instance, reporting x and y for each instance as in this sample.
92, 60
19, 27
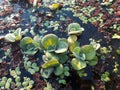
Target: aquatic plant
51, 43
74, 29
5, 83
105, 76
29, 46
15, 36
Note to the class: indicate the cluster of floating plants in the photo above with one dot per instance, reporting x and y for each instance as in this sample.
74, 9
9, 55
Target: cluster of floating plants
42, 48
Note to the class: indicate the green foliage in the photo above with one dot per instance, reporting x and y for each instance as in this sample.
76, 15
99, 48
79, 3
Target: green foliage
50, 63
31, 67
46, 72
49, 87
15, 36
49, 42
74, 29
29, 46
5, 82
105, 77
89, 51
78, 64
59, 70
62, 46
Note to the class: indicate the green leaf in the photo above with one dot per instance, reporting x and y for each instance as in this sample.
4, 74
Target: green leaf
116, 36
78, 64
77, 53
72, 38
63, 58
81, 73
50, 63
89, 51
25, 41
73, 45
10, 37
62, 46
49, 42
46, 72
93, 62
59, 70
74, 29
18, 34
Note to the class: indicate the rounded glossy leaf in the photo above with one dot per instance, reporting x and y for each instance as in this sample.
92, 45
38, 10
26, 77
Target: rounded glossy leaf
62, 46
25, 41
78, 64
89, 51
10, 37
49, 41
59, 70
75, 29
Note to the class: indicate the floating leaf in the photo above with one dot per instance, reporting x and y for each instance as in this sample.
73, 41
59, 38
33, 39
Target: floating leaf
62, 46
63, 58
72, 38
10, 37
59, 70
77, 53
50, 63
89, 51
74, 29
18, 34
73, 45
78, 64
46, 72
93, 62
55, 6
29, 46
81, 73
25, 41
49, 42
116, 36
